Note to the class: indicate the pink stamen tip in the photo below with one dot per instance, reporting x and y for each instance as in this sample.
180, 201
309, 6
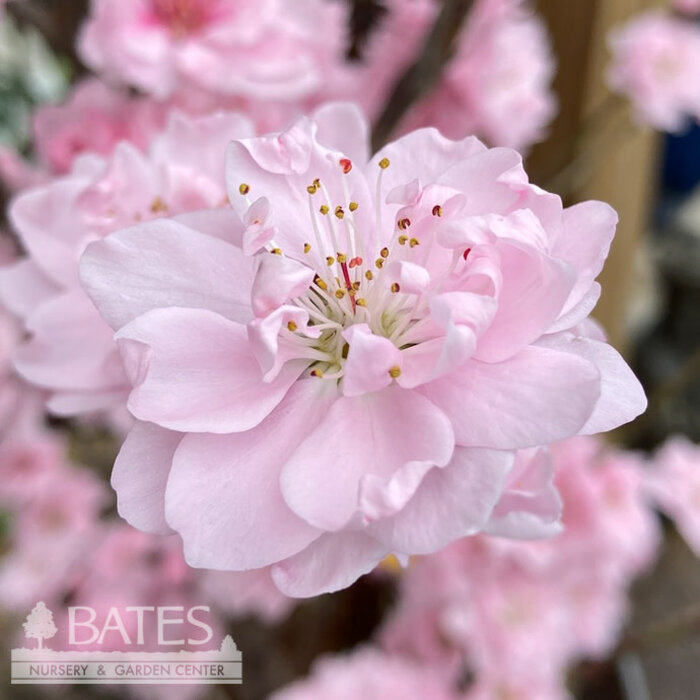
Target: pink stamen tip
355, 262
346, 165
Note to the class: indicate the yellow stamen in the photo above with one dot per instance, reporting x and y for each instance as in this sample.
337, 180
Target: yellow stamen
244, 188
384, 163
330, 260
292, 326
276, 251
339, 293
396, 287
353, 206
158, 205
361, 302
342, 258
323, 209
414, 242
395, 371
339, 212
403, 240
369, 275
307, 247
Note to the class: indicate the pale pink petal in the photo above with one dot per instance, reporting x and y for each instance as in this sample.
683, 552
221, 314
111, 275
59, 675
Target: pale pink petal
224, 496
452, 502
622, 397
140, 476
193, 371
163, 263
343, 127
331, 563
369, 362
24, 287
278, 279
534, 398
377, 434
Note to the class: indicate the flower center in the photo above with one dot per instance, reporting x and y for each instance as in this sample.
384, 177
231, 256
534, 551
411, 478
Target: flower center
182, 17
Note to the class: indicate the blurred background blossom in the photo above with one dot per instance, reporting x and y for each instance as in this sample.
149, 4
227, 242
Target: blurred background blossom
603, 99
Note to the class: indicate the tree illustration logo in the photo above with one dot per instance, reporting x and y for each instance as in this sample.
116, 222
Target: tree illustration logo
39, 624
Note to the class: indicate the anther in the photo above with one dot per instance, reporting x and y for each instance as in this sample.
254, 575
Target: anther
244, 188
320, 283
403, 239
356, 286
330, 260
342, 258
346, 165
384, 252
316, 373
339, 212
384, 163
369, 275
395, 371
312, 189
353, 206
396, 287
307, 247
323, 209
465, 254
414, 242
361, 302
292, 326
437, 210
404, 223
276, 251
158, 205
379, 262
339, 293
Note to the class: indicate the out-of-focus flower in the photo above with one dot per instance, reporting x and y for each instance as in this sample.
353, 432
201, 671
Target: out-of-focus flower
656, 61
369, 674
70, 351
503, 67
271, 49
93, 120
55, 508
673, 482
516, 614
689, 7
348, 370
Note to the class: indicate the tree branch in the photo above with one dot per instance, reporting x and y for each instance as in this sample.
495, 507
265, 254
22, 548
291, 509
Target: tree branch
422, 75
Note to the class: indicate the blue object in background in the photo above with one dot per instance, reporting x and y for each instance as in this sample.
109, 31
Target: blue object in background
681, 169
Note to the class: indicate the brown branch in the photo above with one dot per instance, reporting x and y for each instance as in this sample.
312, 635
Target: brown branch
662, 634
422, 75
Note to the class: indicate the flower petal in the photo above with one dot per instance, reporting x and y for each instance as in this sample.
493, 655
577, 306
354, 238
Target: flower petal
378, 434
452, 502
223, 494
164, 263
140, 475
534, 398
193, 371
332, 562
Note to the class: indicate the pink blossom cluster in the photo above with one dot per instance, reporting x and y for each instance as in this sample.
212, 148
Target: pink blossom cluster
371, 674
343, 364
656, 60
69, 351
515, 615
687, 7
502, 67
94, 119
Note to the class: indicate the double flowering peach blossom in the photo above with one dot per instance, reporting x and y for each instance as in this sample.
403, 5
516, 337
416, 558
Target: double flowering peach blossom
656, 59
270, 49
344, 364
70, 351
517, 614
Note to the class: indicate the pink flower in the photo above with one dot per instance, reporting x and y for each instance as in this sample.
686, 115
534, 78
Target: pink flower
688, 7
502, 67
269, 49
656, 60
93, 120
70, 351
369, 674
674, 485
348, 370
517, 614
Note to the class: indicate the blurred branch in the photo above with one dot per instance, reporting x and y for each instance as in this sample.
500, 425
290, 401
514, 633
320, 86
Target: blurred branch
665, 633
422, 75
